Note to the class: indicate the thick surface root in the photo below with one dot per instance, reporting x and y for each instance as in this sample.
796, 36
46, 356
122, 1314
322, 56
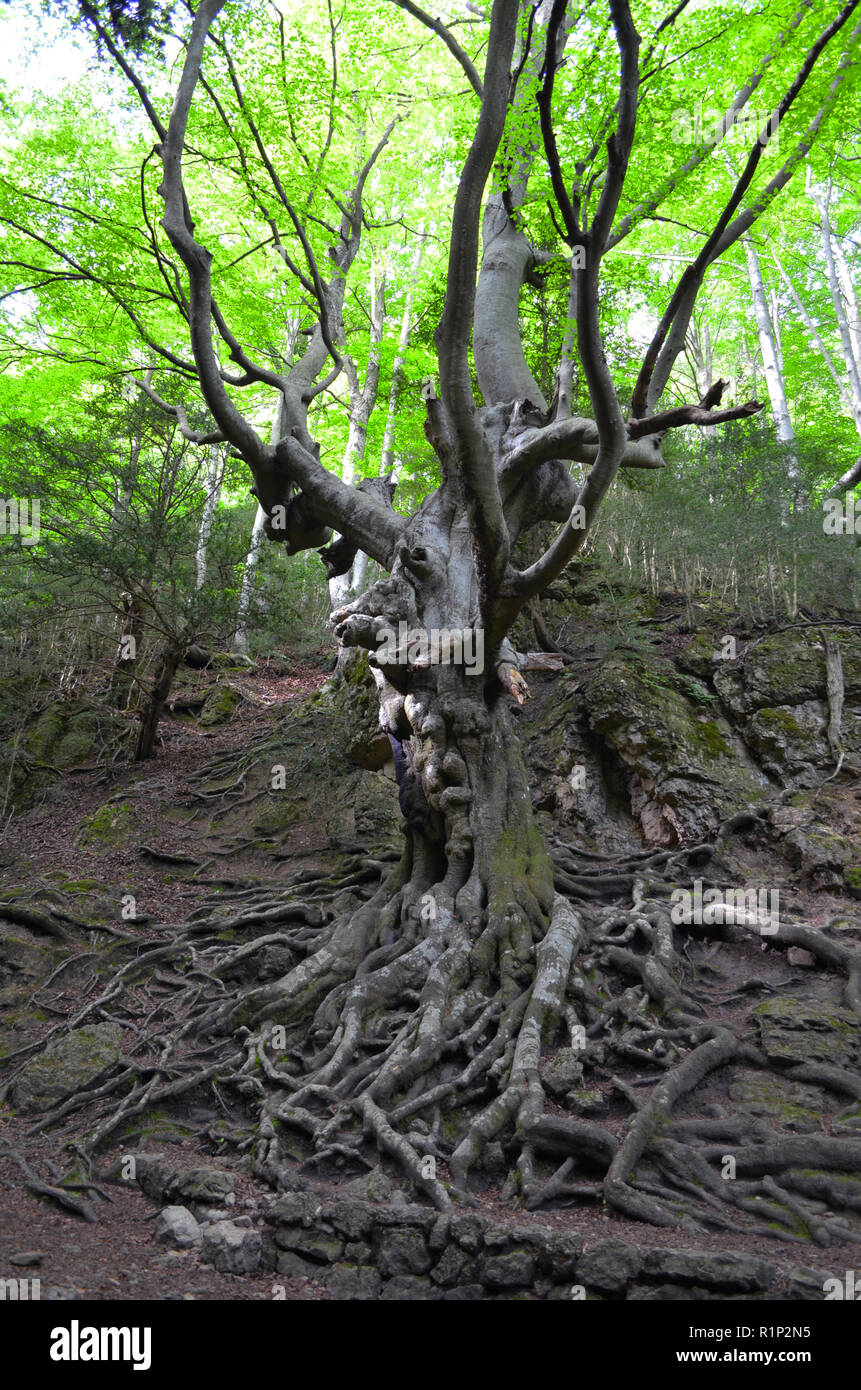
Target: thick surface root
350, 1016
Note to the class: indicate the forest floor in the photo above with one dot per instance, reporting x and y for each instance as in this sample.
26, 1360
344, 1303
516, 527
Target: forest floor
117, 1256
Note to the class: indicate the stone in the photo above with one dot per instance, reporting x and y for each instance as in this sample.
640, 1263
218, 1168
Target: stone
511, 1270
207, 1215
294, 1209
177, 1227
795, 1106
440, 1235
69, 1064
409, 1288
806, 1030
207, 1186
323, 1247
796, 955
219, 707
563, 1073
356, 1252
609, 1266
807, 1285
677, 1293
370, 1187
402, 1250
586, 1102
230, 1248
722, 1270
467, 1231
559, 1255
295, 1267
154, 1173
791, 743
347, 1282
353, 1219
686, 768
453, 1267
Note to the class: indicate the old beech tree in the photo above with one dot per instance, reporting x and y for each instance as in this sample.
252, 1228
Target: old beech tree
438, 993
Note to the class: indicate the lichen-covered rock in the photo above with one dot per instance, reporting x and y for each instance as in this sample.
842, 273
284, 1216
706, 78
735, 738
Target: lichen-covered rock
454, 1267
65, 734
219, 706
402, 1250
159, 1177
374, 1186
111, 825
609, 1266
321, 1247
822, 856
790, 742
515, 1269
563, 1073
686, 768
68, 1064
349, 1282
794, 1106
178, 1228
808, 1030
232, 1249
293, 1265
787, 668
723, 1270
573, 784
410, 1288
207, 1185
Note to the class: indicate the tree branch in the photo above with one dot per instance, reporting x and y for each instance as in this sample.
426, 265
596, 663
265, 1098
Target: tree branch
448, 39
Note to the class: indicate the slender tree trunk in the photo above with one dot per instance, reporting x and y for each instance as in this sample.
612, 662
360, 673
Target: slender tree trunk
852, 364
214, 470
387, 453
362, 402
156, 701
770, 351
131, 629
126, 659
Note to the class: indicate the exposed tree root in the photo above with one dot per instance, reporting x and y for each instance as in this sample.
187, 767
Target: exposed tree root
419, 1025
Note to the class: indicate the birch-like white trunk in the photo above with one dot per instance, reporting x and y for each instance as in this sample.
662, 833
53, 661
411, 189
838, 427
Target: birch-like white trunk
387, 453
214, 474
770, 351
362, 402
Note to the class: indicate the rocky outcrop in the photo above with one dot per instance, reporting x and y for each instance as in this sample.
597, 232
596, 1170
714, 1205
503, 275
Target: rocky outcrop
71, 1063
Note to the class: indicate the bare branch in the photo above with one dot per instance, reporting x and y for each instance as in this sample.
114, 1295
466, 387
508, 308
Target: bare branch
448, 39
178, 413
